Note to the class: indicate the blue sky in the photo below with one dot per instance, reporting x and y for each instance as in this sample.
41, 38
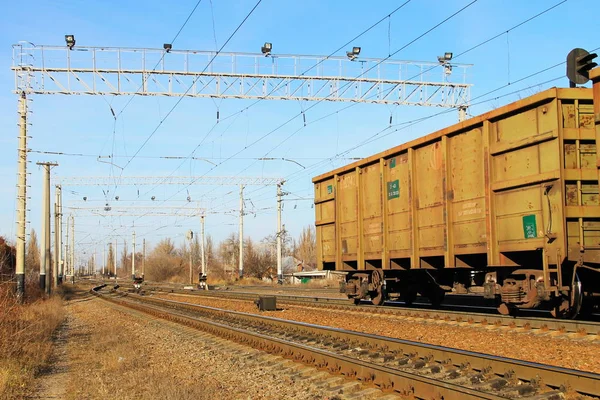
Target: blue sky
85, 125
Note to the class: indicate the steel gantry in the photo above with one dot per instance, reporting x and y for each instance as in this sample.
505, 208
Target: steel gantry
194, 73
166, 180
137, 211
70, 70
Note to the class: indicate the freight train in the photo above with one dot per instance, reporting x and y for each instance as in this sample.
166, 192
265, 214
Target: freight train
504, 205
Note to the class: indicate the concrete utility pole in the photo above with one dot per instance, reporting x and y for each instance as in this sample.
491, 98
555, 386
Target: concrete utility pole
21, 198
45, 253
279, 233
72, 248
56, 247
144, 259
103, 258
133, 257
115, 257
241, 266
202, 245
67, 254
190, 236
59, 259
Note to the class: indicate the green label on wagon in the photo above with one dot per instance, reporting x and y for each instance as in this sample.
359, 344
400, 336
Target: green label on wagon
393, 163
529, 226
329, 189
393, 189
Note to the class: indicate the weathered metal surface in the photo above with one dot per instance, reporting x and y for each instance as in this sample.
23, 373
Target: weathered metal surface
517, 185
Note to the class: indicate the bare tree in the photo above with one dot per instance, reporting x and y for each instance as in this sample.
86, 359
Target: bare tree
258, 260
305, 248
32, 258
7, 259
166, 263
110, 262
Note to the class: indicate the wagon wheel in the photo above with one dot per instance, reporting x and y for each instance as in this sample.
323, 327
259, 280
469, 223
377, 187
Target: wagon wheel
570, 306
378, 295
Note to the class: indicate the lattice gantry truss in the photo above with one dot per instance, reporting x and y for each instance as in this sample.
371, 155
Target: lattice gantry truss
130, 211
165, 180
154, 72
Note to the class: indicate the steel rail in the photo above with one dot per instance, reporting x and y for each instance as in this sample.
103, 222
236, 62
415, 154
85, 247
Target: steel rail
590, 328
486, 375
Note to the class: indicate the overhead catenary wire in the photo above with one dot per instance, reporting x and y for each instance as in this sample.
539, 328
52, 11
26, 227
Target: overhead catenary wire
494, 89
190, 87
407, 124
320, 101
245, 109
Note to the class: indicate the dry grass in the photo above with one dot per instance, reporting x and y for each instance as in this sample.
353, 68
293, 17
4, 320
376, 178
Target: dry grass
25, 339
120, 368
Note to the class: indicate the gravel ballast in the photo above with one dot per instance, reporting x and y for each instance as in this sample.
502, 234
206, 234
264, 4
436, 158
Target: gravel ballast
115, 352
549, 348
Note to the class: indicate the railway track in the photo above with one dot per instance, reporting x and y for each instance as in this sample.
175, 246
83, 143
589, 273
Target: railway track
574, 329
398, 366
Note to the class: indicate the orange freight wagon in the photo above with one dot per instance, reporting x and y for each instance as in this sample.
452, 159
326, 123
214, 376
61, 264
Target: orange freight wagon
505, 204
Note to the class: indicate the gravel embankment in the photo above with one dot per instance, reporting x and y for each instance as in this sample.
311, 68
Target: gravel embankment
116, 353
578, 354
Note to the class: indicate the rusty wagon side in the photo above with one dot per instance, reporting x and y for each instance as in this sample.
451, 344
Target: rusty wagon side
505, 204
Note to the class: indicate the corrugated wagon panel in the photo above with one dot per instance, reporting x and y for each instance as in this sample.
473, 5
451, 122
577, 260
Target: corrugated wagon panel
508, 181
468, 192
397, 194
371, 203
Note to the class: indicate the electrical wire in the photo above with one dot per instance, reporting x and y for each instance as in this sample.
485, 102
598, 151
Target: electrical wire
190, 87
320, 101
422, 119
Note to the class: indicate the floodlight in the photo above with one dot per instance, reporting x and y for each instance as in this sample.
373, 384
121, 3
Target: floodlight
445, 58
70, 39
266, 49
167, 47
352, 55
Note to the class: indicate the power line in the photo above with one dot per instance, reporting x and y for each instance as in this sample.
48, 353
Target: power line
302, 74
145, 79
190, 87
279, 127
378, 135
318, 102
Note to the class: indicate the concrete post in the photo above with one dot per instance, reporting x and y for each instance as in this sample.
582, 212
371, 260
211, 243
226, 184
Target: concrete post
133, 257
60, 260
21, 198
241, 261
144, 259
45, 253
72, 248
202, 245
56, 259
115, 257
279, 233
